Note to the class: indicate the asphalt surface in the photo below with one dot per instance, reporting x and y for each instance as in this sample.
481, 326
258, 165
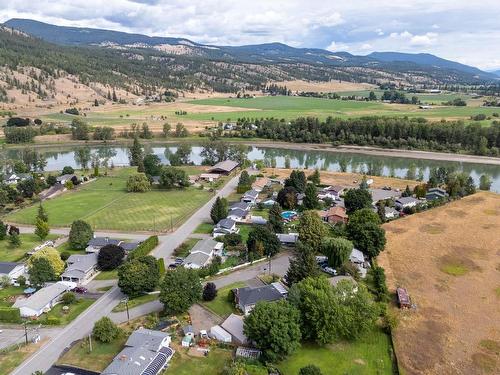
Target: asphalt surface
44, 358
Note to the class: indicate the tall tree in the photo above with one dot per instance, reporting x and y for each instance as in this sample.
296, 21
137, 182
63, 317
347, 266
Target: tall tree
337, 250
40, 272
302, 265
484, 182
263, 242
152, 165
110, 257
135, 153
219, 210
42, 214
275, 220
310, 200
42, 228
287, 198
311, 229
80, 234
275, 329
138, 276
357, 199
315, 177
179, 290
297, 180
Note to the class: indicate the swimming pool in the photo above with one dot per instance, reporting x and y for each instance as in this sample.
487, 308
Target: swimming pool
288, 215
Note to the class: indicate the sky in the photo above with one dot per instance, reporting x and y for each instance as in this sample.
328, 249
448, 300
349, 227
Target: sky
467, 31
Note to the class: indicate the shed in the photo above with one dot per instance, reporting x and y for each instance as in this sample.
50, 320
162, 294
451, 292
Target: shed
186, 341
404, 301
220, 334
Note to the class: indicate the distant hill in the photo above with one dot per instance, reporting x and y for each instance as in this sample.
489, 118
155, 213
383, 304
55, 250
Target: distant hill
429, 60
496, 72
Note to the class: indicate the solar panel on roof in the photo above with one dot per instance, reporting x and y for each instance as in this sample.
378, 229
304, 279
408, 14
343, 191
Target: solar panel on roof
156, 365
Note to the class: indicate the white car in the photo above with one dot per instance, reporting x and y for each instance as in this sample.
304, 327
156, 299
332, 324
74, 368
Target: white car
330, 271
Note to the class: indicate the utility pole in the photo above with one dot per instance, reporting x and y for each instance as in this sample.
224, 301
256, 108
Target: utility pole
269, 265
25, 332
125, 300
90, 342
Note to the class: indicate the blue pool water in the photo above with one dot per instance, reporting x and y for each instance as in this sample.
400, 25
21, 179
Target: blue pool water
287, 215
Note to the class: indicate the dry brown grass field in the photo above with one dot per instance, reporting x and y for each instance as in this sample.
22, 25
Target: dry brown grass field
331, 86
448, 258
345, 179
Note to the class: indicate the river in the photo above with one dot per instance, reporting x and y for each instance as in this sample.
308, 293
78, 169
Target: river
59, 157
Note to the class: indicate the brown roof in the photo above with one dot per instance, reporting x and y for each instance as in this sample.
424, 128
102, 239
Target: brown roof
261, 182
335, 211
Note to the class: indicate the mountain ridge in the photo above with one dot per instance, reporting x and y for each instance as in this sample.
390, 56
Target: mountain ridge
273, 52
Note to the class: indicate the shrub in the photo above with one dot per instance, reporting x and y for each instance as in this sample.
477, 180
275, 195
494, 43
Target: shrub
65, 255
10, 315
110, 257
52, 321
209, 292
144, 248
21, 280
67, 170
68, 298
105, 330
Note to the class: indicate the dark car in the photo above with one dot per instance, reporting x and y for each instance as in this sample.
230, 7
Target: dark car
80, 290
172, 266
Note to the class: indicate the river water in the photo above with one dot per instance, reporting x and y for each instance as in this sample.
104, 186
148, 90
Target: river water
59, 157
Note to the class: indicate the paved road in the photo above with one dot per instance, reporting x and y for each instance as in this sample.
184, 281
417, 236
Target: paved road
83, 324
50, 352
15, 334
65, 232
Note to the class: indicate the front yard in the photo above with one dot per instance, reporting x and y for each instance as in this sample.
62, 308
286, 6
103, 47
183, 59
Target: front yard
221, 304
133, 302
65, 317
8, 253
213, 363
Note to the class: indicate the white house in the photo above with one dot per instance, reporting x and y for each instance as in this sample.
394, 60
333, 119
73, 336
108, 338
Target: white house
357, 258
406, 202
225, 226
64, 178
390, 213
250, 196
14, 178
80, 268
41, 301
202, 253
12, 270
332, 192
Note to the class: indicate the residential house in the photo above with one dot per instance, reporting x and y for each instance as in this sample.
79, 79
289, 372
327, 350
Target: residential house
268, 202
224, 167
250, 196
246, 298
64, 178
390, 213
41, 301
288, 239
209, 177
406, 202
332, 192
240, 205
225, 226
261, 183
383, 194
14, 178
436, 193
202, 253
146, 352
129, 246
334, 215
97, 243
12, 270
80, 268
220, 334
238, 215
234, 326
357, 258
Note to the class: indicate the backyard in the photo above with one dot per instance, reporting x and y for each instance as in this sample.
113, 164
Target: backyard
8, 253
105, 204
221, 304
455, 287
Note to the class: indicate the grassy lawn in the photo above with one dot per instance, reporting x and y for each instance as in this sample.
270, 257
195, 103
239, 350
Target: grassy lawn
182, 364
107, 275
6, 295
15, 254
264, 213
231, 261
10, 359
204, 228
66, 247
133, 302
74, 310
244, 232
105, 204
369, 355
221, 305
98, 359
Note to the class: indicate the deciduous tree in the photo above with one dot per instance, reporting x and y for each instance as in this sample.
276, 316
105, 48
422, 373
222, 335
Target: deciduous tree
179, 290
357, 199
80, 234
337, 250
302, 265
312, 230
110, 257
105, 330
138, 276
275, 219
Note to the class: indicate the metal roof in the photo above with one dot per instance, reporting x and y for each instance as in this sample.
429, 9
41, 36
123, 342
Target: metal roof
7, 267
226, 166
40, 299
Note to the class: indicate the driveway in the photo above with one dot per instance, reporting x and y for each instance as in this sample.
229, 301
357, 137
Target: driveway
201, 318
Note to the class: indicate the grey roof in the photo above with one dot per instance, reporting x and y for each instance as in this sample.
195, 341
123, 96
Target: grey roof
142, 354
251, 194
381, 194
226, 166
287, 238
240, 205
129, 246
103, 241
41, 298
390, 210
187, 329
234, 325
7, 267
199, 259
406, 200
357, 256
238, 212
250, 296
146, 338
64, 177
79, 265
205, 246
226, 223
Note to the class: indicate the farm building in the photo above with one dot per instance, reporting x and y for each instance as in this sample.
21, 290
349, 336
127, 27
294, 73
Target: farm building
224, 167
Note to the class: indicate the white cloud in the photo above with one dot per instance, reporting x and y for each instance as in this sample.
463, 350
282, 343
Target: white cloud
337, 47
426, 39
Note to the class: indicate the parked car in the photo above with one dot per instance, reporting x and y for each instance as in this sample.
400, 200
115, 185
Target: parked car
172, 266
330, 271
80, 290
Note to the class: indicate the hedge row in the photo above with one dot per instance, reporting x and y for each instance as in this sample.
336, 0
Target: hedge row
144, 248
10, 315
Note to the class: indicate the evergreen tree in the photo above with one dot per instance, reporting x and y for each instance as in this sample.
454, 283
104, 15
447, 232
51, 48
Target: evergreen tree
42, 214
315, 177
297, 180
310, 200
311, 229
41, 228
115, 99
136, 155
219, 210
484, 182
276, 221
302, 265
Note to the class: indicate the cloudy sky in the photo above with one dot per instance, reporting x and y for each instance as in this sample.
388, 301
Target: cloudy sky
467, 31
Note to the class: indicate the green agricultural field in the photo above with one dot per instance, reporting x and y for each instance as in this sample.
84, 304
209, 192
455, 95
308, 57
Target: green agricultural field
8, 253
105, 204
